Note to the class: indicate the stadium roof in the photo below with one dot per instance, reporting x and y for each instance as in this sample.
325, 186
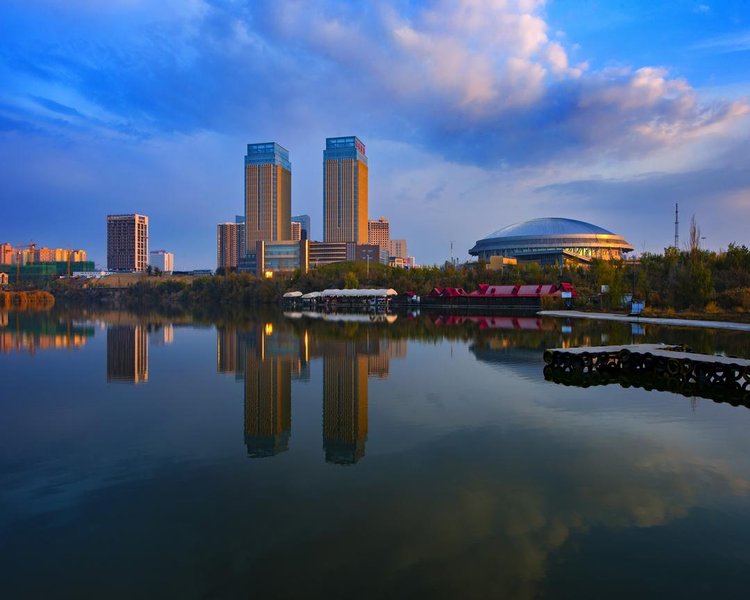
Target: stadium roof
548, 226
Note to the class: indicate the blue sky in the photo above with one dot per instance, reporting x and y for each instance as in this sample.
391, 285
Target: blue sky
476, 114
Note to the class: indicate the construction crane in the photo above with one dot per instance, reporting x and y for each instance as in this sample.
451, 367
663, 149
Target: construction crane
19, 253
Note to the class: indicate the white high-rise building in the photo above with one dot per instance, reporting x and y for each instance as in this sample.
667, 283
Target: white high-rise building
162, 260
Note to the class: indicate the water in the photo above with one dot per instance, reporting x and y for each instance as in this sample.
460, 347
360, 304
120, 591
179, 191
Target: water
292, 457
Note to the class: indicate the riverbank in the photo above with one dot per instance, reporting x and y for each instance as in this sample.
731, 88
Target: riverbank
574, 314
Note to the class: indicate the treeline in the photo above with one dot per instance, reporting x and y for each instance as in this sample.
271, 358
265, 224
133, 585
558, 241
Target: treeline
681, 280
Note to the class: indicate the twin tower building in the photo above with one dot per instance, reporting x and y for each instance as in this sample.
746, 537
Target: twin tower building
268, 192
268, 242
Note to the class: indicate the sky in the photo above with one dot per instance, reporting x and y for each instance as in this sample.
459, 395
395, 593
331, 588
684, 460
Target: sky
476, 114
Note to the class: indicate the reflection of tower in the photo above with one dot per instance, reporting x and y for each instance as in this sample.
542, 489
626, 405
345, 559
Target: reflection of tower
268, 397
127, 353
162, 335
378, 359
344, 403
227, 351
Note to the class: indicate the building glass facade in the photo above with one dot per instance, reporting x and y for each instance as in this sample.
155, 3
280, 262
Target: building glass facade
345, 190
268, 193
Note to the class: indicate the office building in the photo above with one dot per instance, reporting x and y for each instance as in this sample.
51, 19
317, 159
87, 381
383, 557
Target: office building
267, 258
372, 253
345, 190
268, 194
230, 245
162, 260
398, 248
296, 231
304, 221
326, 253
379, 233
127, 242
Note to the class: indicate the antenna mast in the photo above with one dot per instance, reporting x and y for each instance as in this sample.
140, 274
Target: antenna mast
676, 225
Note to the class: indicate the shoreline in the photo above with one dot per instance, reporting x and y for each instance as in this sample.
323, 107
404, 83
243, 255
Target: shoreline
575, 314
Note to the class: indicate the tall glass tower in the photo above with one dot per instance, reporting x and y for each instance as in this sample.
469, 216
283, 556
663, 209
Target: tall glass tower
268, 194
345, 190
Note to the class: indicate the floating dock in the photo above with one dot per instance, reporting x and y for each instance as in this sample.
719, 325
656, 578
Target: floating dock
652, 366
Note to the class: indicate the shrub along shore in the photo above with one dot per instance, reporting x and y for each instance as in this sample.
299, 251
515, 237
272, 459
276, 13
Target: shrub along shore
31, 300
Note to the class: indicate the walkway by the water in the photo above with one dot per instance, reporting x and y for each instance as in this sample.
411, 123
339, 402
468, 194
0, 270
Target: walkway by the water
574, 314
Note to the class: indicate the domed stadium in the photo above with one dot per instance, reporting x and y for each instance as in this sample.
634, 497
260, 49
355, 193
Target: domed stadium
551, 241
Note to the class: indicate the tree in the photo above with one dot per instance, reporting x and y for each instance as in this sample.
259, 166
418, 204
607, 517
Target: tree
694, 242
350, 281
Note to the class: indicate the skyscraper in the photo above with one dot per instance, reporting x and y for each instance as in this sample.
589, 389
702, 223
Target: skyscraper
268, 194
345, 190
379, 233
230, 245
127, 242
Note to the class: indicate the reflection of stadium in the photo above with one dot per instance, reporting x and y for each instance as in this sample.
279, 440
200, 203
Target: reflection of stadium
127, 353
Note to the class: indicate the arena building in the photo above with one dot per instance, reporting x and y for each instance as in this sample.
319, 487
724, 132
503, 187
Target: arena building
551, 241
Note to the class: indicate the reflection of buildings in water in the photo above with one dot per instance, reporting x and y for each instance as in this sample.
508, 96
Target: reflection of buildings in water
168, 333
344, 402
271, 358
20, 334
268, 404
227, 350
163, 335
127, 353
495, 322
380, 352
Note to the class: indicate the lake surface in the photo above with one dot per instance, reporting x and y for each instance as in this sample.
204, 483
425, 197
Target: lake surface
277, 456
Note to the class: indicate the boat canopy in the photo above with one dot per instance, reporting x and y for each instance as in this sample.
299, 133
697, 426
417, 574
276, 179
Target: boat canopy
294, 294
311, 295
369, 293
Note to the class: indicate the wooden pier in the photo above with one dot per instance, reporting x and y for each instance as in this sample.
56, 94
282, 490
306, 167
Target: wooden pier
652, 366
